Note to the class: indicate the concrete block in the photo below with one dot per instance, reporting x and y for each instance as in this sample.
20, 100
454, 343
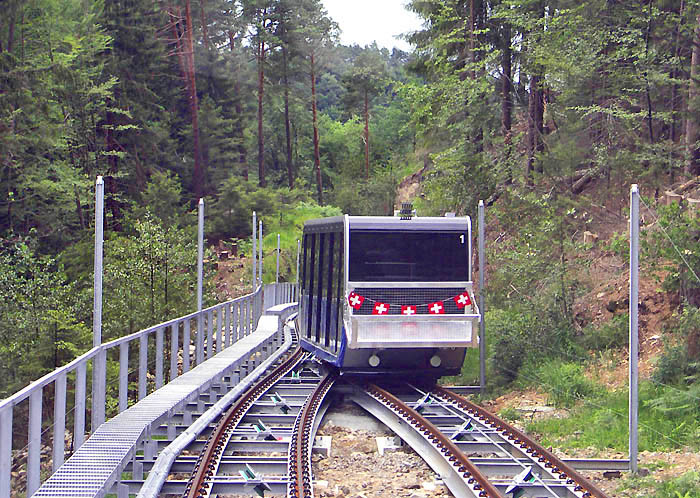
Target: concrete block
322, 446
388, 444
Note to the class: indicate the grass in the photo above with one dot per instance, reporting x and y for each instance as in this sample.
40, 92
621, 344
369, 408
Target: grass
684, 486
600, 420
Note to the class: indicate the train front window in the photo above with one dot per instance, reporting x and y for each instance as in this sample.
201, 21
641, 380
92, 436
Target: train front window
408, 256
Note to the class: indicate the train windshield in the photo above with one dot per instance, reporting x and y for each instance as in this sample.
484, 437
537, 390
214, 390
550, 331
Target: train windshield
408, 256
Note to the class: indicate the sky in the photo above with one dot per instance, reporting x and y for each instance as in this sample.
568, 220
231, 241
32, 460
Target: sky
364, 21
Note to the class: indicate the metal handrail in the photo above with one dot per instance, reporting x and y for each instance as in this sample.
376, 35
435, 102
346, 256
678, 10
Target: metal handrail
223, 323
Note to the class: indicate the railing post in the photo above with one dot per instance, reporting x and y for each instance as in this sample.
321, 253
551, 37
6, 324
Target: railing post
634, 327
99, 367
34, 444
227, 326
482, 300
59, 421
6, 450
123, 376
186, 340
159, 357
199, 353
219, 323
174, 348
79, 417
143, 364
210, 333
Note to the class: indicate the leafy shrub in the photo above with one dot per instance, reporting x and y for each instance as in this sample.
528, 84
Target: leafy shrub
611, 334
565, 383
679, 362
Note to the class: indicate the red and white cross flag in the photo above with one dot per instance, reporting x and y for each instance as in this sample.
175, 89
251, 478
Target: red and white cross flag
462, 300
436, 308
408, 310
355, 300
380, 309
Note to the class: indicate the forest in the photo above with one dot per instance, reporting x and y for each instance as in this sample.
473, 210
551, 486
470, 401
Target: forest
543, 108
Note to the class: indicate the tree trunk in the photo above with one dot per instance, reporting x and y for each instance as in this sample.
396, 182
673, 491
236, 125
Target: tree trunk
534, 128
198, 177
650, 124
692, 124
317, 153
674, 75
366, 134
287, 131
506, 97
261, 138
203, 19
238, 106
79, 207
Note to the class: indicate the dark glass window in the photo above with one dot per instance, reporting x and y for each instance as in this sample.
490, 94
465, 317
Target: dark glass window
408, 256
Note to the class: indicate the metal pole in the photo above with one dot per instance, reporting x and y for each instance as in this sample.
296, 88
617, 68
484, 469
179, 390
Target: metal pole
199, 353
255, 253
482, 303
99, 371
260, 249
99, 237
277, 273
298, 253
634, 327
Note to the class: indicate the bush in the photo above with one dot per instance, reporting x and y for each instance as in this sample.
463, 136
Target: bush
611, 334
565, 383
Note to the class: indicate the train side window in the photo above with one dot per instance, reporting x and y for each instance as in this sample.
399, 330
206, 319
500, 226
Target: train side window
329, 300
319, 290
310, 289
339, 295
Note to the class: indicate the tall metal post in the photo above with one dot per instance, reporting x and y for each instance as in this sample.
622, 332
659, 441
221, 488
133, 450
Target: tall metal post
99, 370
255, 251
260, 251
634, 327
298, 254
200, 277
99, 238
482, 301
277, 273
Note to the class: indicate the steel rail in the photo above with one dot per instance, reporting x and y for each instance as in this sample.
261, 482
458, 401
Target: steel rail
299, 466
479, 485
519, 439
204, 469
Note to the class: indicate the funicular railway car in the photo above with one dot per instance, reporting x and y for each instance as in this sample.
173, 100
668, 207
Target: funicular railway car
388, 295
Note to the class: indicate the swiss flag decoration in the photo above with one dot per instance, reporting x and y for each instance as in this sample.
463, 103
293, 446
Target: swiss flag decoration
408, 310
436, 308
380, 309
462, 300
355, 300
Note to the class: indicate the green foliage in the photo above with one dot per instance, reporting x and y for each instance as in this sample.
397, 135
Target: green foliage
565, 383
613, 333
680, 258
676, 365
601, 421
149, 276
509, 413
289, 224
41, 315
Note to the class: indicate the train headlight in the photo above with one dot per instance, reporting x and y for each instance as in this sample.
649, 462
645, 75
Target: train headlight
374, 361
435, 361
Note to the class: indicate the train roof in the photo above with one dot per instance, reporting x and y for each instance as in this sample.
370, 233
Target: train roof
389, 223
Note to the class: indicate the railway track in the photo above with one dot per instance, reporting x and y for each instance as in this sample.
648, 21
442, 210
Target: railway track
262, 445
474, 452
274, 417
